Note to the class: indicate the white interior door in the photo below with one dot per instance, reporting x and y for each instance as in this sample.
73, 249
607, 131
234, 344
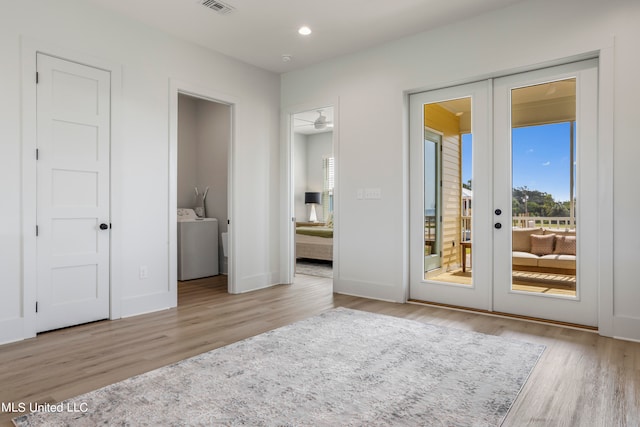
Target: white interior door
73, 119
545, 126
441, 243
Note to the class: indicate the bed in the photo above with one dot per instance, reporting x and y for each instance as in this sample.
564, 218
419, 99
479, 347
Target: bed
314, 242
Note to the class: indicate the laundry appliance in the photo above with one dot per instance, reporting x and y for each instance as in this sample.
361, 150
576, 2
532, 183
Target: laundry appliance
197, 245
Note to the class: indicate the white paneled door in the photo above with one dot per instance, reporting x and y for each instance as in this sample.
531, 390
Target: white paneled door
73, 213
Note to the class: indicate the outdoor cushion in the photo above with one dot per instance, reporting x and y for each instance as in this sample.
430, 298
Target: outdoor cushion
565, 245
521, 240
558, 261
542, 245
525, 259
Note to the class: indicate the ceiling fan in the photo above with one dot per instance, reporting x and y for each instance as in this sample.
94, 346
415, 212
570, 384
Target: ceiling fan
314, 121
321, 122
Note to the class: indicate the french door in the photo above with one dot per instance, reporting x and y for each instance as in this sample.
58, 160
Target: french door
515, 210
439, 238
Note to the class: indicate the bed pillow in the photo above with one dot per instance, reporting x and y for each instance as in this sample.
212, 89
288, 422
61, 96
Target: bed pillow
565, 245
542, 245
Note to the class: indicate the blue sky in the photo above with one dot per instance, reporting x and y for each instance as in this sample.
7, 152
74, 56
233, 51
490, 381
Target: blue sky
540, 159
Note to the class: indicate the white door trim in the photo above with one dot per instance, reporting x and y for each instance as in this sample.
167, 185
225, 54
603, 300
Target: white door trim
181, 87
29, 49
287, 237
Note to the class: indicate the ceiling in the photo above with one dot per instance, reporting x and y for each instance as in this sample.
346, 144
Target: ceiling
259, 32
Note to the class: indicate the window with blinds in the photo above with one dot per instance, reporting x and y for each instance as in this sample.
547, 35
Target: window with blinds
327, 190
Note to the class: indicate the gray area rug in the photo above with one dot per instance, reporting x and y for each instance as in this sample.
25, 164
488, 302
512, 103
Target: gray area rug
343, 367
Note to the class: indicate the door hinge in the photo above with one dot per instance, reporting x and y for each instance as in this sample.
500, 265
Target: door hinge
440, 254
37, 77
36, 306
37, 231
37, 154
228, 221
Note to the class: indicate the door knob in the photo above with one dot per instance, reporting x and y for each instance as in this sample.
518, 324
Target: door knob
498, 211
103, 226
498, 225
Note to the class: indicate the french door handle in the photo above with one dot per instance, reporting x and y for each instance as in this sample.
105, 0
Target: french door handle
498, 225
103, 226
498, 212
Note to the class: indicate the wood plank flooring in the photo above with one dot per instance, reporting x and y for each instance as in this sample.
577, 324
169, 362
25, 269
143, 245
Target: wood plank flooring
581, 380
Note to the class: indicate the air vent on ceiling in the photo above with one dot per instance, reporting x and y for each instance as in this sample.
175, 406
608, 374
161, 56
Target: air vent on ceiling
218, 6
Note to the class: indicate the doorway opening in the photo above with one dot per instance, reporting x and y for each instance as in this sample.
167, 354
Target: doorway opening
204, 139
313, 176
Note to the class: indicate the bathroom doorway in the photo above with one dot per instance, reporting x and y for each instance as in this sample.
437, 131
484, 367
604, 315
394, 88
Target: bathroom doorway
313, 173
204, 135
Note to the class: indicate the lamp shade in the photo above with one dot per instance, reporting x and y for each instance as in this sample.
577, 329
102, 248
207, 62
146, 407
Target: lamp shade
312, 197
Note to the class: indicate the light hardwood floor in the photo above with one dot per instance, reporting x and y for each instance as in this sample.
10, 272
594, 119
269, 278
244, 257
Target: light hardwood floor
581, 380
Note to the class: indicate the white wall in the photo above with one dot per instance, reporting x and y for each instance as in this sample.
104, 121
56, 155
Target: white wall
147, 60
372, 153
187, 150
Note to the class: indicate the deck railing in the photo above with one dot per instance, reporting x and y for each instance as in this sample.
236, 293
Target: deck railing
565, 222
559, 222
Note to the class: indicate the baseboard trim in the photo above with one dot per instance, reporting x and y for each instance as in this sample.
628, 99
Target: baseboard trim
507, 315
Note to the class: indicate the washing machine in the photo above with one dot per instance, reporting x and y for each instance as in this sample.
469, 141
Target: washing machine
197, 245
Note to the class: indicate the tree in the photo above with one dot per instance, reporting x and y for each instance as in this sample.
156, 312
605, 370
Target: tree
536, 203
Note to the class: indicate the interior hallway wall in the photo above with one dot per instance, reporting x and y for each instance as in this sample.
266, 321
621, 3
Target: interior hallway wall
187, 150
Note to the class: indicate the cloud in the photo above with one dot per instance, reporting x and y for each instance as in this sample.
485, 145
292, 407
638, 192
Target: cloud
530, 150
546, 163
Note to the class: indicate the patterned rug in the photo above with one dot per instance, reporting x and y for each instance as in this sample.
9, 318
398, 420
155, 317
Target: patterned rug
343, 367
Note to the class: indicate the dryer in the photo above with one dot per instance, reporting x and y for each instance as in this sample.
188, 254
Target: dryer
197, 246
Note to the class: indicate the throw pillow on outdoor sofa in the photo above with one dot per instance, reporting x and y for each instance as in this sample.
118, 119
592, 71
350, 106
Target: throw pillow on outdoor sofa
565, 245
542, 245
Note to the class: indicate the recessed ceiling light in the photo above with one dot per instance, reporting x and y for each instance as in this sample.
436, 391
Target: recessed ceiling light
286, 57
305, 31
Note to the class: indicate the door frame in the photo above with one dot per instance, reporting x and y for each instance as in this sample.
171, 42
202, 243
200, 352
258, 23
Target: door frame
185, 88
287, 236
25, 327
